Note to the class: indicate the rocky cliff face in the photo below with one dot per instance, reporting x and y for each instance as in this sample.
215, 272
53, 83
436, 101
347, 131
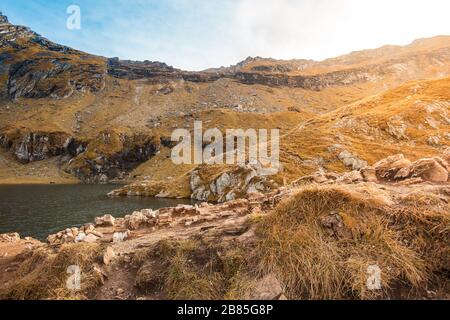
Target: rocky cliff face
55, 78
34, 67
3, 18
112, 155
234, 183
157, 72
36, 146
109, 156
267, 75
133, 70
317, 83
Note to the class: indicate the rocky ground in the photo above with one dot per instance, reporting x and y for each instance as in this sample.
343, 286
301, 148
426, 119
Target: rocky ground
313, 239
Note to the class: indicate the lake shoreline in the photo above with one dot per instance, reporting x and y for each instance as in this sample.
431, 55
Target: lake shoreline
38, 210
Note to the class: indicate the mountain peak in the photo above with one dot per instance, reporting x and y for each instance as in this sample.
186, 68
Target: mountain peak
3, 18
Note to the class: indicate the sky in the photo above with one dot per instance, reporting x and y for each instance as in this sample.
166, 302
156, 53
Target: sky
200, 34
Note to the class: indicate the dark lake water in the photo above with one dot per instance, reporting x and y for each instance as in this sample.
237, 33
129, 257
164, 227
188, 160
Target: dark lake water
40, 210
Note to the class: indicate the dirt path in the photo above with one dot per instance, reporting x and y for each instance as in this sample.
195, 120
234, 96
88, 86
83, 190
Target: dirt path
120, 274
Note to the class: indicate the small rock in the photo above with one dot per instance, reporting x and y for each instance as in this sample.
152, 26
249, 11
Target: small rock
136, 220
369, 174
351, 160
107, 220
268, 288
89, 228
90, 238
68, 238
108, 256
97, 233
80, 237
75, 231
10, 237
434, 141
120, 236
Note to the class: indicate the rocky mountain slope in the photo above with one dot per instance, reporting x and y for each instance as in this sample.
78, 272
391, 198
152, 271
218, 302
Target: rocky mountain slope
100, 119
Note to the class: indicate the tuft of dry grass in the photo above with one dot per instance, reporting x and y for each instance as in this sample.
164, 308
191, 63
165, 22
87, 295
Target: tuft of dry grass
190, 270
316, 260
43, 275
185, 281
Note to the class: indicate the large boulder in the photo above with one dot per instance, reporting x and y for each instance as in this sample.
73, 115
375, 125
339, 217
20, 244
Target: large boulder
387, 169
136, 220
430, 169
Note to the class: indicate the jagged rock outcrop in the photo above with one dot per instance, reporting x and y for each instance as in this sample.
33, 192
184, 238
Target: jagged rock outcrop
133, 70
432, 169
3, 18
269, 75
157, 72
29, 146
53, 77
398, 168
229, 185
316, 82
43, 68
386, 169
112, 155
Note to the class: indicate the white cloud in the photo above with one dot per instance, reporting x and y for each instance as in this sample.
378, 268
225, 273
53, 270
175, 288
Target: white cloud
320, 29
200, 34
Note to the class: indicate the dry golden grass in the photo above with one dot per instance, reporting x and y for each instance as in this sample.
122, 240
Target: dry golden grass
420, 108
43, 275
184, 282
168, 267
190, 270
316, 264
